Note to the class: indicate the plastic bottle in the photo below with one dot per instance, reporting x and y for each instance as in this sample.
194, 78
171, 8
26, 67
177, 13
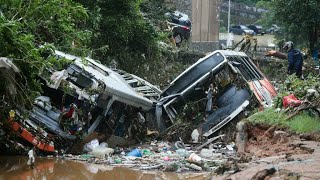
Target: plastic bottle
183, 152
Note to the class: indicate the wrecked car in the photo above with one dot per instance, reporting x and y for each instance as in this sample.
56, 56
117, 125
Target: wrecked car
86, 96
83, 97
226, 80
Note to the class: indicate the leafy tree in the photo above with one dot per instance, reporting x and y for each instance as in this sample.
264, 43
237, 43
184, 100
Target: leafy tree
25, 26
267, 18
122, 34
300, 18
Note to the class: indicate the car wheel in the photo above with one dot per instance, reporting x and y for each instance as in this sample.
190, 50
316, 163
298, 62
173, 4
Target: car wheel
243, 33
177, 38
271, 32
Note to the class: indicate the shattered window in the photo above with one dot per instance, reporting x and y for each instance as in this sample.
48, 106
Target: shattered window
247, 68
79, 77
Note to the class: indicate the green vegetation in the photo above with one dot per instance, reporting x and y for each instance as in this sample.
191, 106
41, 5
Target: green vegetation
300, 18
29, 29
306, 120
302, 123
267, 18
249, 2
122, 34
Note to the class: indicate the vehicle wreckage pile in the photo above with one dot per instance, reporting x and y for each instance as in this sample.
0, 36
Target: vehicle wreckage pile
85, 97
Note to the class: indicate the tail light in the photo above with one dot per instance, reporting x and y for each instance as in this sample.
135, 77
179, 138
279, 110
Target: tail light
185, 28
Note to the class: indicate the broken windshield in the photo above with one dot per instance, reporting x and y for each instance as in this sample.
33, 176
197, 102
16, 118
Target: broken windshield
247, 69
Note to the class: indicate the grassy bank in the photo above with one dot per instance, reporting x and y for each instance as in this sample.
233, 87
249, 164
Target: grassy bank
302, 123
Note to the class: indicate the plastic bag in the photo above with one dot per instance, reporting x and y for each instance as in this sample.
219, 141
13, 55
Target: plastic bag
291, 100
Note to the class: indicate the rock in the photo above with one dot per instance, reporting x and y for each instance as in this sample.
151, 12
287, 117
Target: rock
261, 175
280, 136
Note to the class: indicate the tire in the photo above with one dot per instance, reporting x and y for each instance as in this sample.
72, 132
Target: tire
177, 38
243, 33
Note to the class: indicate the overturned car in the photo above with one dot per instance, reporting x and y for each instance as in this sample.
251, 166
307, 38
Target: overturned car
225, 80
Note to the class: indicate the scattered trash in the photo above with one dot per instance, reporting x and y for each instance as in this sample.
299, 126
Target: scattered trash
91, 145
230, 146
135, 152
195, 167
102, 152
195, 136
183, 152
206, 153
194, 158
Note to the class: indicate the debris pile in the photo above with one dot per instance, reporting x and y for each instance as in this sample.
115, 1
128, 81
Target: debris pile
158, 155
82, 96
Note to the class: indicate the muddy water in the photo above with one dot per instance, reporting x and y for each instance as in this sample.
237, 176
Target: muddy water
46, 168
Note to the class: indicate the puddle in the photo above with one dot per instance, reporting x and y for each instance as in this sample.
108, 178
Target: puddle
12, 167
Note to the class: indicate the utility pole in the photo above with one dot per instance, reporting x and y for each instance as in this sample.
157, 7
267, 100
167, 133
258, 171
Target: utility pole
229, 17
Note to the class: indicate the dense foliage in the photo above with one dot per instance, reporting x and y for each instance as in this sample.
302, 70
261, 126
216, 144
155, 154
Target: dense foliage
122, 34
267, 18
26, 30
300, 19
250, 2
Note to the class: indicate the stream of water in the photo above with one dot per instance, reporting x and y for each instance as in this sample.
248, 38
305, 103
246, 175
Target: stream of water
13, 167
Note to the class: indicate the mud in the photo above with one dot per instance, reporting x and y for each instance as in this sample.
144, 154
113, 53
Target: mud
264, 141
275, 154
46, 168
291, 167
